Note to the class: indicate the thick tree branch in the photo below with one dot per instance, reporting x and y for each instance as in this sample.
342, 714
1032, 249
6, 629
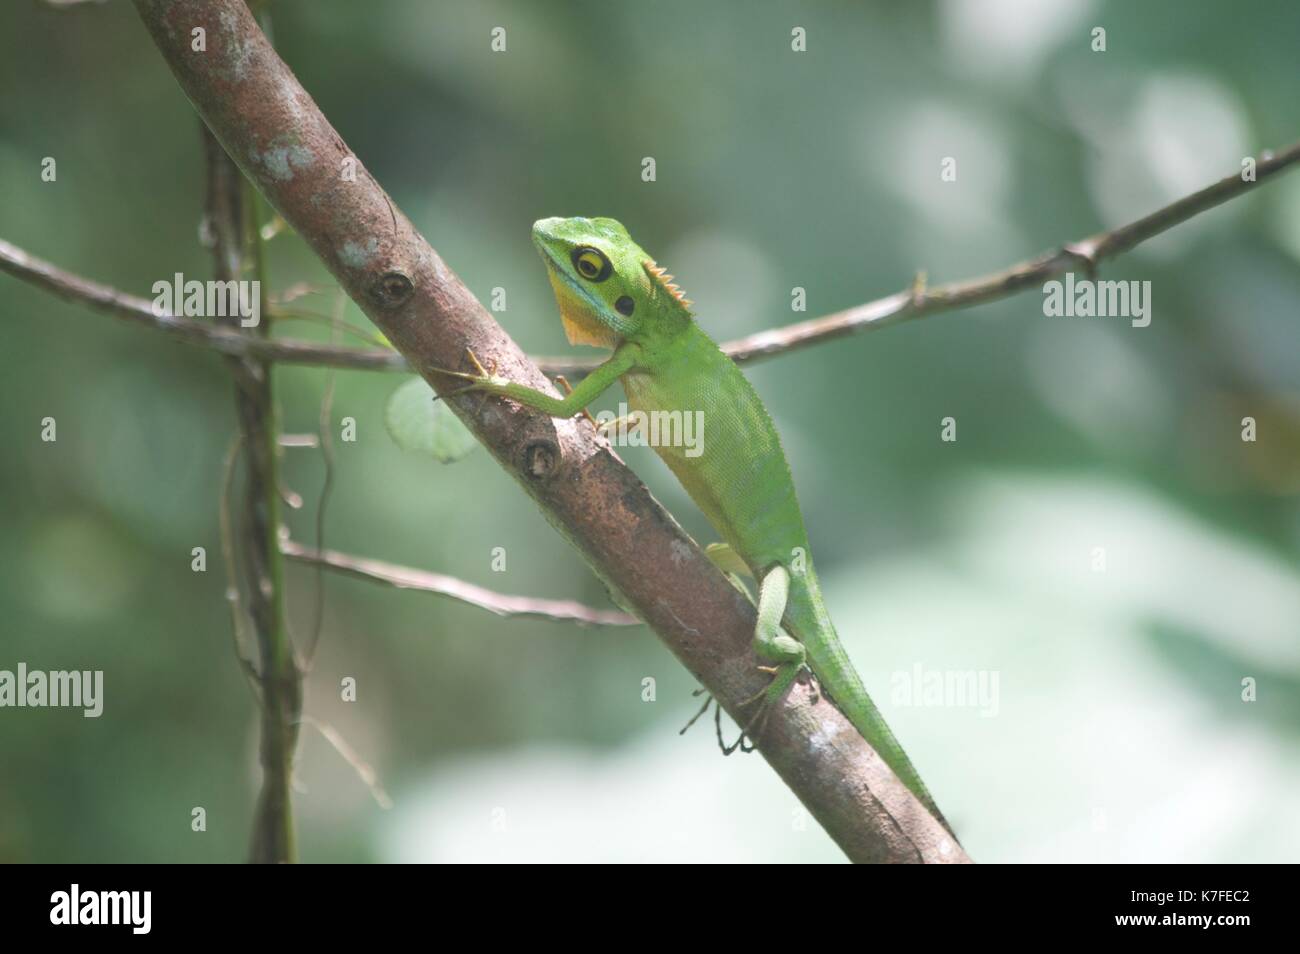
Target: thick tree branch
502, 604
270, 126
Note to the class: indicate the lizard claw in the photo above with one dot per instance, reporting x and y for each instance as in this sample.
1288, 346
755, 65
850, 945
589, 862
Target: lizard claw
478, 366
474, 380
457, 374
742, 743
708, 701
479, 379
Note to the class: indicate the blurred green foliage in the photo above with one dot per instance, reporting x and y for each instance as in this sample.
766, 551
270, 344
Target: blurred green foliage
775, 169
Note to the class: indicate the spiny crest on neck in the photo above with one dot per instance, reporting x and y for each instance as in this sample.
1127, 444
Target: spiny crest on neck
662, 281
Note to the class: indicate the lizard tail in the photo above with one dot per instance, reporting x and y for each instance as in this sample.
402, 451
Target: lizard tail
807, 618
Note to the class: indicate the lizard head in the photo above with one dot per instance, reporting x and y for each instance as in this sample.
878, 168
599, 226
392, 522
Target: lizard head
607, 287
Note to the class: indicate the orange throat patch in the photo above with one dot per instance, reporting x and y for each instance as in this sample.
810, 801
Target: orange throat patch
581, 327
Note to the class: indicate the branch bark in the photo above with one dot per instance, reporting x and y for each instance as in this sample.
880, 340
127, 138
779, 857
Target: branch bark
270, 126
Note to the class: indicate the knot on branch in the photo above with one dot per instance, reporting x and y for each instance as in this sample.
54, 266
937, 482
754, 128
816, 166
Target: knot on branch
391, 289
541, 459
1087, 253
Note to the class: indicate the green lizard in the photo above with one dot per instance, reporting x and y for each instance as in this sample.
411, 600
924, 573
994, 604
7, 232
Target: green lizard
612, 294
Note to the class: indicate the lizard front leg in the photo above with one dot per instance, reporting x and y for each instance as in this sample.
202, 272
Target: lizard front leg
586, 391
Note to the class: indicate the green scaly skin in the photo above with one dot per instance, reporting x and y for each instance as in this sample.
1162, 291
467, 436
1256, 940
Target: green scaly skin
612, 294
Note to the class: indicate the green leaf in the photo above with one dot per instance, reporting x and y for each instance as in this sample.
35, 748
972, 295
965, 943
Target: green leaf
418, 423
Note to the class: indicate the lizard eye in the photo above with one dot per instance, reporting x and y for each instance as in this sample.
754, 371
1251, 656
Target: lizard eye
591, 263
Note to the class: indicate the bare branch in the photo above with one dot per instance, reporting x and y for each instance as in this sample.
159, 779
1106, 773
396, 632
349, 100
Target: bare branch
365, 771
913, 302
279, 681
406, 578
105, 298
238, 614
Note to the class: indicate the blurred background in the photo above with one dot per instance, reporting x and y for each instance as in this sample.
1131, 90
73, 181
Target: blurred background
1112, 726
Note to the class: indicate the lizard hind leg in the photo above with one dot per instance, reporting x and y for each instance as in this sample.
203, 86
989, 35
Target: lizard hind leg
773, 644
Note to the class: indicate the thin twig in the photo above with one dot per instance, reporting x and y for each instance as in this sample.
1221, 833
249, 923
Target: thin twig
238, 615
230, 222
326, 439
280, 314
913, 302
407, 578
64, 284
299, 440
365, 771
